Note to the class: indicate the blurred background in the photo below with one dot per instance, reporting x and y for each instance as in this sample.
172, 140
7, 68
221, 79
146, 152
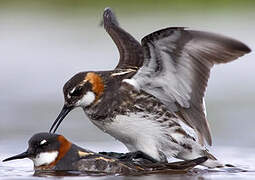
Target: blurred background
44, 42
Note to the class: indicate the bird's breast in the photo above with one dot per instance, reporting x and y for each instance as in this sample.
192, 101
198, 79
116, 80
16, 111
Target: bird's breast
138, 131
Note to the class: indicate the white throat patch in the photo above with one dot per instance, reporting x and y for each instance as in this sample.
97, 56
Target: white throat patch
87, 99
45, 158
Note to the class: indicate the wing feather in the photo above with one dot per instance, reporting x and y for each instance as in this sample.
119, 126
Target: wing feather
177, 67
130, 50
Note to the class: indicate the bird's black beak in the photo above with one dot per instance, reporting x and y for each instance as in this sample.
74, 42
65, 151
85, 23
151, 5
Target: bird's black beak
65, 110
19, 156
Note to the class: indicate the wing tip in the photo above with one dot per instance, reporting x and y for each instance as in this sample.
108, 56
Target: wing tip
109, 17
238, 49
240, 46
244, 48
107, 9
229, 42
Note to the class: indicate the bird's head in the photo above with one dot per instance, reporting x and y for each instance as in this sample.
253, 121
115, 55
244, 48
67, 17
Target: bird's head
45, 150
82, 90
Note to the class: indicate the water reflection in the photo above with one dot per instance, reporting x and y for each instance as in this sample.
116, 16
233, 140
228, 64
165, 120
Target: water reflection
193, 174
242, 158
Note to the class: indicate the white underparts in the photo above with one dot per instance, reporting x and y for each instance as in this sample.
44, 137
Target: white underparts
153, 136
87, 99
45, 158
136, 133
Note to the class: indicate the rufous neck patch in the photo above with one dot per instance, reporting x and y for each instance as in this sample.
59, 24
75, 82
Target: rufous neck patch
97, 83
65, 146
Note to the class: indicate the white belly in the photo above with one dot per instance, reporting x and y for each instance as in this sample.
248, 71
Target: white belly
136, 132
149, 135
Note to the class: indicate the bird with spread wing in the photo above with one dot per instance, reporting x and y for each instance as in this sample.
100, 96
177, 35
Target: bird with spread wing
153, 101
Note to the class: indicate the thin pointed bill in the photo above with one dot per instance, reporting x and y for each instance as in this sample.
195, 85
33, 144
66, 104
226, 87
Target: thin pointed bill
65, 110
19, 156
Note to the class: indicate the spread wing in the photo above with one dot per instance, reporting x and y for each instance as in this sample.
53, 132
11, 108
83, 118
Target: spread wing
130, 50
177, 67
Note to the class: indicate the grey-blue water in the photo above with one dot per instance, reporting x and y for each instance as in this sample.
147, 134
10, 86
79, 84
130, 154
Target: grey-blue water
242, 158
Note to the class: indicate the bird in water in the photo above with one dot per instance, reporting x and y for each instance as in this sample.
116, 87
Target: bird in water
53, 152
153, 101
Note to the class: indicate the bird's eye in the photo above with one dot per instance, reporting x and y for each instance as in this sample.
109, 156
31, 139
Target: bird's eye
77, 91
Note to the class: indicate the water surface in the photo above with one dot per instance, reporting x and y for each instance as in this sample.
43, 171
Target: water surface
242, 158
